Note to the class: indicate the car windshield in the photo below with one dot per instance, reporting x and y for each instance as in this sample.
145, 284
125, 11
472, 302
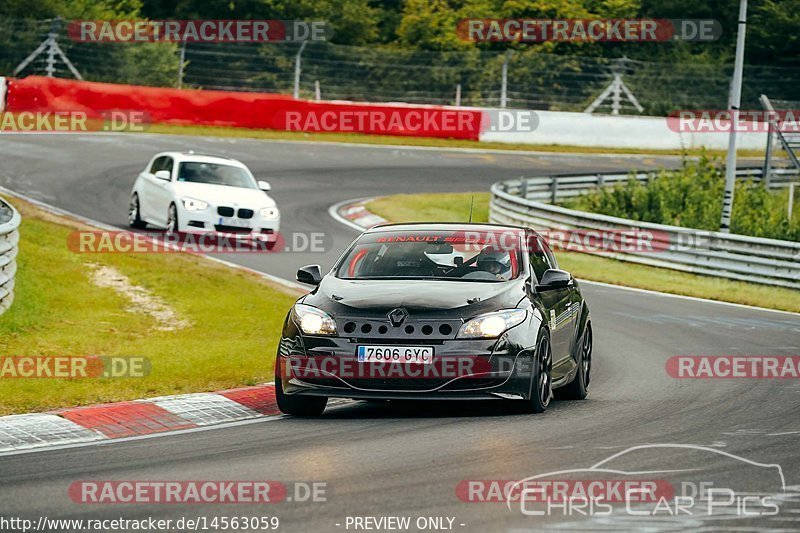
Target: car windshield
480, 256
216, 174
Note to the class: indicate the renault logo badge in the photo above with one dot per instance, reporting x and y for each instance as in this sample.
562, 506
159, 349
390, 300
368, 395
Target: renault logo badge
397, 316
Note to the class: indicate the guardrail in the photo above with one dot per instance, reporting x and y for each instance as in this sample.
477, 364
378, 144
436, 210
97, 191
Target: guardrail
766, 261
554, 188
9, 239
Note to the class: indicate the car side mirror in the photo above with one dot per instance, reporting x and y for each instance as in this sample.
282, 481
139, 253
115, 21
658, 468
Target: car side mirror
554, 279
163, 175
309, 274
264, 185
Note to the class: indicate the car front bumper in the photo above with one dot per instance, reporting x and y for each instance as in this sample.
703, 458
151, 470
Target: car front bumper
209, 221
466, 369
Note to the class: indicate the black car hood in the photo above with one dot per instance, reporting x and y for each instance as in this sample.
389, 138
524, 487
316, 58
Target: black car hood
378, 297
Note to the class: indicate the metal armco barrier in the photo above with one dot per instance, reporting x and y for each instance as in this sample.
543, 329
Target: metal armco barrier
766, 261
9, 239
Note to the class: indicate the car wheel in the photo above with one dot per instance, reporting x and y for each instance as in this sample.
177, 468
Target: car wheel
541, 381
298, 405
578, 387
172, 220
134, 219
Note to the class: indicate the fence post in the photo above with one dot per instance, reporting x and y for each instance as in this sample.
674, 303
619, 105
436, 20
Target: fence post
50, 69
765, 174
297, 69
180, 65
523, 187
458, 94
317, 91
504, 81
791, 200
553, 189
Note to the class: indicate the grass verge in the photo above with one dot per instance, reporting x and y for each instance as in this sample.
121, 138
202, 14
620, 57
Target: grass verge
454, 207
235, 320
392, 140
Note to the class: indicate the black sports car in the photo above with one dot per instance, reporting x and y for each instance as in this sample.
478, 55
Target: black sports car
437, 311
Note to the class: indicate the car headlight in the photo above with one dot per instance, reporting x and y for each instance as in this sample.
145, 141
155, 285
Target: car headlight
194, 205
269, 213
313, 321
491, 325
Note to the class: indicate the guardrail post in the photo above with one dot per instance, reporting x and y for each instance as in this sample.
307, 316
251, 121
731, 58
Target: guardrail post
523, 187
9, 236
601, 181
553, 189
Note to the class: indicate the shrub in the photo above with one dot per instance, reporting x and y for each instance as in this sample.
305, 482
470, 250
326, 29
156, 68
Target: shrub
692, 197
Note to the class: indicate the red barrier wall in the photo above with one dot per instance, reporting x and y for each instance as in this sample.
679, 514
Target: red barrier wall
240, 109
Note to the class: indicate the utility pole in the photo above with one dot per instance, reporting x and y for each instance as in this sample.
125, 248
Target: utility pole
735, 101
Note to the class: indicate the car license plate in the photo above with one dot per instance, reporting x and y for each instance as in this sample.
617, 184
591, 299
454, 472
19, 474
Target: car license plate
395, 354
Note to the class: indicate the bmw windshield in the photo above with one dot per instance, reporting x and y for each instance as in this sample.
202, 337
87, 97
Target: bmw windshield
216, 174
441, 255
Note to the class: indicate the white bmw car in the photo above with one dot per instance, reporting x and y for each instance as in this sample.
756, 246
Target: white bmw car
185, 192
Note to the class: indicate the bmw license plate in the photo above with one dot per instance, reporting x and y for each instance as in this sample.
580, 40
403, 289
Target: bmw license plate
234, 222
395, 354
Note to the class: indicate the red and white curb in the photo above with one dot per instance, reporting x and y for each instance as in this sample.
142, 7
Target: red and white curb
135, 418
354, 213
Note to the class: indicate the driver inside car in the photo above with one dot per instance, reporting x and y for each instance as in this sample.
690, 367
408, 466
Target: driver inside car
493, 261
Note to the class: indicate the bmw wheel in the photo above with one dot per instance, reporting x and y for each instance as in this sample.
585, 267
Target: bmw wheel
134, 218
172, 220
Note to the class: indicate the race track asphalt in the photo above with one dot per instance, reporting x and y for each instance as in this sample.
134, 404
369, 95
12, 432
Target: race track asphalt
407, 459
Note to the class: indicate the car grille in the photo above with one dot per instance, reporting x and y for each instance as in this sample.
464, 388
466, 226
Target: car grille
402, 384
232, 229
421, 330
245, 213
225, 211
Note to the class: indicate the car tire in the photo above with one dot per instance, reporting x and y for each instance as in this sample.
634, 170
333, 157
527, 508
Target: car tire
172, 220
541, 380
577, 389
298, 405
134, 213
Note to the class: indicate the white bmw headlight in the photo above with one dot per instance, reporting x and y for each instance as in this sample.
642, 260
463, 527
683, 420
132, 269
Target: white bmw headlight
194, 205
491, 325
313, 321
270, 213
